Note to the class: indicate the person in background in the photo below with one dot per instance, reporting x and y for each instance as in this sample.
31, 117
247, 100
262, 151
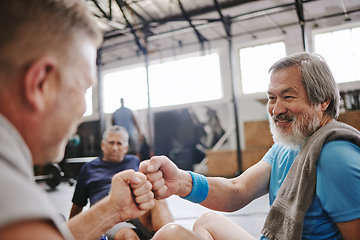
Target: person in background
47, 61
312, 172
125, 117
94, 183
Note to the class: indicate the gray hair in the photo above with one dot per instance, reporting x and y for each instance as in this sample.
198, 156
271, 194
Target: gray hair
31, 28
119, 130
317, 78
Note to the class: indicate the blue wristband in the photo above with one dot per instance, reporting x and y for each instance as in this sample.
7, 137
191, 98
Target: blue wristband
200, 188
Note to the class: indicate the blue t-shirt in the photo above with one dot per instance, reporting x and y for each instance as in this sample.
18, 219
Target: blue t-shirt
123, 116
337, 186
94, 181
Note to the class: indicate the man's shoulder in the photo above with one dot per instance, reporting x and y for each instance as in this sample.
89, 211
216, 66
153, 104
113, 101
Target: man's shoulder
131, 158
283, 150
339, 146
339, 156
132, 161
95, 162
122, 111
25, 200
339, 149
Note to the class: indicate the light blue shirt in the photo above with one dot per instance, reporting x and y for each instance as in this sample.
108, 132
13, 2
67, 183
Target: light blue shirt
124, 117
337, 197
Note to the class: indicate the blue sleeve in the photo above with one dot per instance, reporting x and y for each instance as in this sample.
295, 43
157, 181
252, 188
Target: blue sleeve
81, 193
270, 154
338, 180
131, 162
136, 163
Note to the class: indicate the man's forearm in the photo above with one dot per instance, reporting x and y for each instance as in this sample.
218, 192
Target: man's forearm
94, 222
185, 184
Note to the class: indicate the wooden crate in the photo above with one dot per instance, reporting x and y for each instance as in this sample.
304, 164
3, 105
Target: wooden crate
251, 156
258, 140
225, 163
352, 118
257, 134
222, 163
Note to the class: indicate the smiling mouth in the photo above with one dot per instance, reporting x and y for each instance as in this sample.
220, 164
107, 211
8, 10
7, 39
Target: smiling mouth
283, 120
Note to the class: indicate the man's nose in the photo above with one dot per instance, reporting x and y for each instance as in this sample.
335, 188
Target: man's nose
114, 146
278, 108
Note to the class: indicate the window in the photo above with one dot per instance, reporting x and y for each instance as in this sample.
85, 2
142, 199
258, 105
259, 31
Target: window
341, 50
255, 63
88, 100
177, 82
128, 84
188, 80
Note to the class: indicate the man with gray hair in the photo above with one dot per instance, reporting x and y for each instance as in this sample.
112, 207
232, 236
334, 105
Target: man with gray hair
94, 183
47, 62
312, 172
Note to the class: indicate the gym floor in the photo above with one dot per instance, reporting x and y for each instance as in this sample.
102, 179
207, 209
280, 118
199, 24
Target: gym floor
251, 217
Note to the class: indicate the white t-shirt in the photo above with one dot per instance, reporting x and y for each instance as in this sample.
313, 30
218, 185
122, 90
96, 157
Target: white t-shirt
20, 197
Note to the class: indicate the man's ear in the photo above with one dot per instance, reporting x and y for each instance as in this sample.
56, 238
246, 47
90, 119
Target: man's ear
325, 105
126, 148
36, 75
102, 145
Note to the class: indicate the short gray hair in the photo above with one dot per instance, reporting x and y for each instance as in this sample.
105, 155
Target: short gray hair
317, 78
117, 129
30, 29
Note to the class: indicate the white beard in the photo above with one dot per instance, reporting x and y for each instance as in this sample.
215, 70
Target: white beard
301, 128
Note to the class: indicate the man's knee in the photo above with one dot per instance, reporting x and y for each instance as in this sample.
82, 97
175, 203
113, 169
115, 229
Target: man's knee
206, 219
169, 231
126, 234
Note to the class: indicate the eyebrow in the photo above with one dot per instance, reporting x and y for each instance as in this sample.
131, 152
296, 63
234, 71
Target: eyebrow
114, 141
287, 90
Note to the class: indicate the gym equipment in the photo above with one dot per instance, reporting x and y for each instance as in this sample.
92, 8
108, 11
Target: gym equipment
51, 174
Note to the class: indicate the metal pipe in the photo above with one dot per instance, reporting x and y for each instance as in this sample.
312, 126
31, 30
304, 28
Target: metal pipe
347, 18
234, 100
227, 25
149, 110
300, 13
100, 92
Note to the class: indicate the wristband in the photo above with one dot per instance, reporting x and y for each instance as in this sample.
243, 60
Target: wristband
200, 188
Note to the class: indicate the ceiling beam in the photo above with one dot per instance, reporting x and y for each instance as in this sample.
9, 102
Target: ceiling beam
206, 9
141, 47
200, 37
226, 23
101, 10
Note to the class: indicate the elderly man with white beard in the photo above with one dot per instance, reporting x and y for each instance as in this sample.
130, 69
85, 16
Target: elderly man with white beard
312, 172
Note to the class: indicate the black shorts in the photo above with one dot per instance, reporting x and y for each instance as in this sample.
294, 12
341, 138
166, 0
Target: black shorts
135, 225
141, 231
